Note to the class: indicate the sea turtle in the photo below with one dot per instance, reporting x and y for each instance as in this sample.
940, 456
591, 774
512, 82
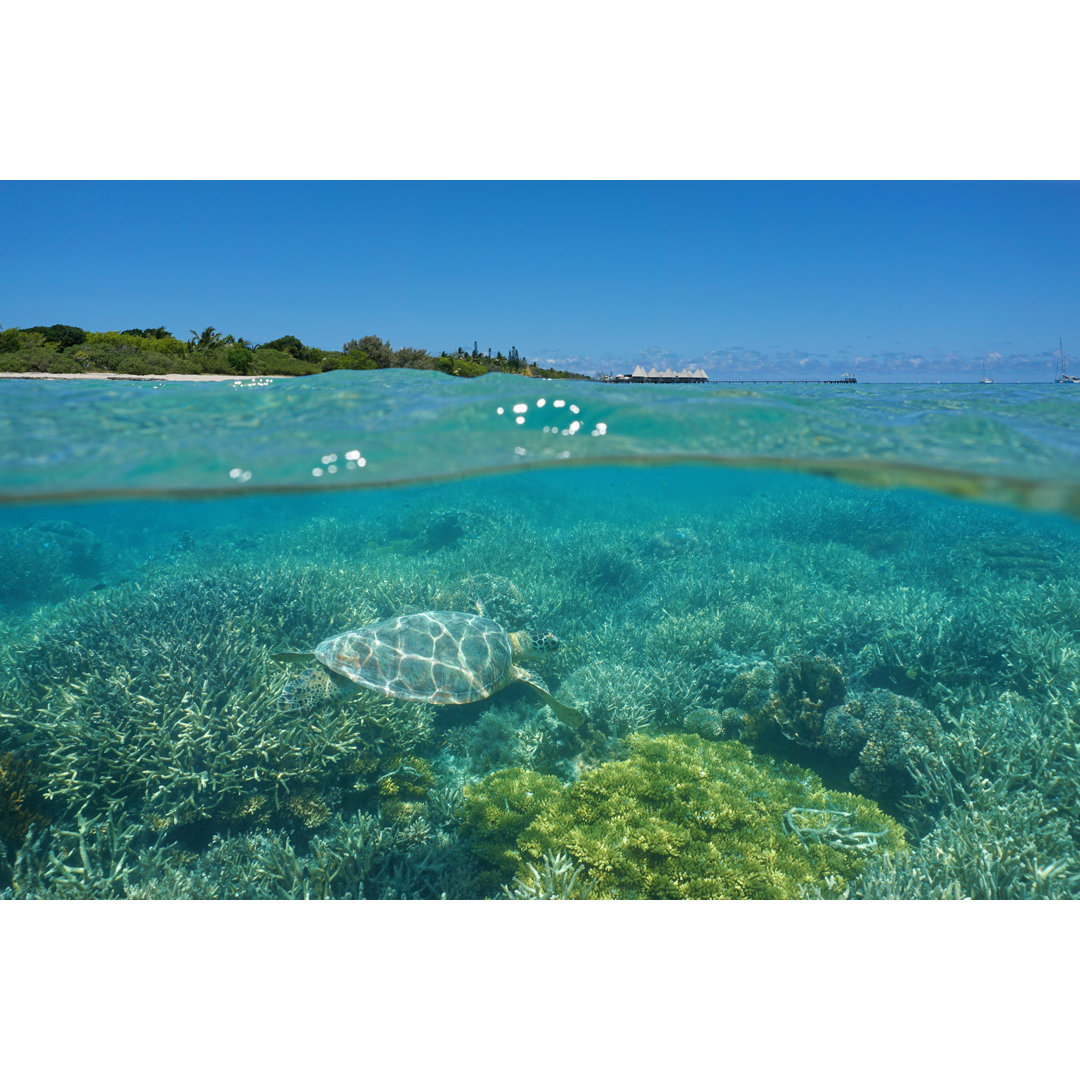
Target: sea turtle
442, 657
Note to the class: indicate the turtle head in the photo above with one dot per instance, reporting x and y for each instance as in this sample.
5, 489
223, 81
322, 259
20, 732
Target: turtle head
528, 643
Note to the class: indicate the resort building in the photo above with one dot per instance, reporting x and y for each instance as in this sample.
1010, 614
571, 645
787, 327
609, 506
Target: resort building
640, 375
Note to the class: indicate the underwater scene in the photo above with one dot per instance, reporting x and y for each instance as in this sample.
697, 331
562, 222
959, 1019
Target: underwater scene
395, 635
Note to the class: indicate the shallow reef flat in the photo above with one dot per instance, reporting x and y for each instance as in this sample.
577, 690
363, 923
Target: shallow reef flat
792, 688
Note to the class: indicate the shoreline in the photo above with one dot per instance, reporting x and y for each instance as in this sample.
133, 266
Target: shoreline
134, 378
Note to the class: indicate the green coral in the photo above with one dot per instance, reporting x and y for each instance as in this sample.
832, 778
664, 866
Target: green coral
681, 818
497, 810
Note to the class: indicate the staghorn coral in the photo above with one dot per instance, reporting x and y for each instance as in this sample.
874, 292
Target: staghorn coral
1013, 848
996, 808
41, 561
557, 878
680, 818
990, 652
101, 857
21, 805
491, 595
603, 564
353, 858
680, 542
176, 716
433, 527
1020, 555
506, 734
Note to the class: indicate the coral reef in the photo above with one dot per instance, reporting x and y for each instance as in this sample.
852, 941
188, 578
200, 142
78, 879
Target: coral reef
788, 697
432, 528
21, 806
557, 878
889, 734
96, 858
680, 818
602, 565
806, 686
142, 752
41, 561
1017, 848
1014, 556
491, 595
175, 716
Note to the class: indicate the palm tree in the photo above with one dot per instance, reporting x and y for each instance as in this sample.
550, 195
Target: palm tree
204, 340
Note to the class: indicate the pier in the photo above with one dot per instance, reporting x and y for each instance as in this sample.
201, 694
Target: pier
819, 382
640, 375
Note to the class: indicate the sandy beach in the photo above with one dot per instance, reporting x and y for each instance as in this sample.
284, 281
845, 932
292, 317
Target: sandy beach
135, 378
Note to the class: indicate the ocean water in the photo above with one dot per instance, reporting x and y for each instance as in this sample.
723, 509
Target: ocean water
813, 641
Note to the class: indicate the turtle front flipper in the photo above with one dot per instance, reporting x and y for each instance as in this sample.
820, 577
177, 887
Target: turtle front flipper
312, 688
570, 716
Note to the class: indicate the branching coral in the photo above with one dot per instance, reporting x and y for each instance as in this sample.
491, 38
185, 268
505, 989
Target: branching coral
997, 807
603, 565
21, 803
154, 701
40, 561
163, 699
492, 595
557, 878
353, 858
1014, 848
680, 818
97, 858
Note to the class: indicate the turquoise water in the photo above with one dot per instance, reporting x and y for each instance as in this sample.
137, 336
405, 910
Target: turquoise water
824, 639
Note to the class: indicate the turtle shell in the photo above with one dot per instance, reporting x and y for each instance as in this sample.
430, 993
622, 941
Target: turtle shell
442, 657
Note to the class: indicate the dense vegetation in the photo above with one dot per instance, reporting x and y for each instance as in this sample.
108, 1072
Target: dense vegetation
61, 349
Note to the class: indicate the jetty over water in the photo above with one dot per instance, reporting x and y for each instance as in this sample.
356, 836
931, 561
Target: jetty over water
640, 375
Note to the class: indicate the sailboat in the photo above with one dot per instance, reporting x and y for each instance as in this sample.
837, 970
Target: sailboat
986, 378
1065, 377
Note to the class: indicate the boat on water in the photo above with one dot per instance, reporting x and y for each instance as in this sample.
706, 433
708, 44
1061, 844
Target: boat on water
985, 376
1065, 377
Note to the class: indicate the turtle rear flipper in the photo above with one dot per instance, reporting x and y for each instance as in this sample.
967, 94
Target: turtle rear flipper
570, 716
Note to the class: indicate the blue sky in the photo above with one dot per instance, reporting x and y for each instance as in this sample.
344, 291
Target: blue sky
894, 281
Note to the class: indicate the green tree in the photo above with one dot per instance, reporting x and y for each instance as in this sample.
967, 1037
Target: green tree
205, 340
354, 360
240, 359
60, 335
150, 333
288, 344
413, 358
375, 347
